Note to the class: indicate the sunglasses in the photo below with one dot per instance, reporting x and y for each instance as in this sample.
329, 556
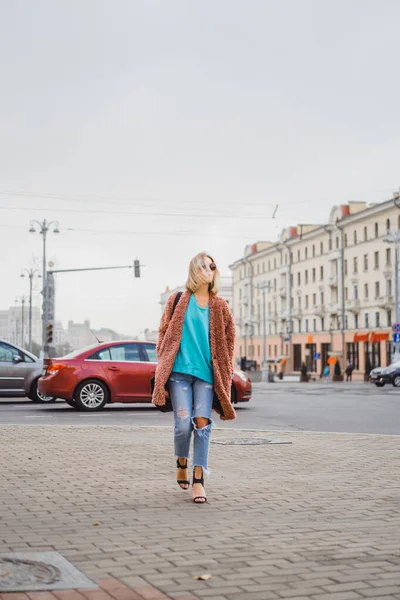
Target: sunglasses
212, 266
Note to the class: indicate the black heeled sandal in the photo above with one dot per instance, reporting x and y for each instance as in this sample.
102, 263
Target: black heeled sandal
199, 499
182, 482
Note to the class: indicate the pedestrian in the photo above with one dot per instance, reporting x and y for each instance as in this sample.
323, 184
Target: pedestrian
195, 367
326, 373
349, 370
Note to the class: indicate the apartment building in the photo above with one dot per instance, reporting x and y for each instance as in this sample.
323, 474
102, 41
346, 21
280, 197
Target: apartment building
328, 290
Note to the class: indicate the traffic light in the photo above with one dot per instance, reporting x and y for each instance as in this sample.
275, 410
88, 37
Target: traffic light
49, 333
136, 266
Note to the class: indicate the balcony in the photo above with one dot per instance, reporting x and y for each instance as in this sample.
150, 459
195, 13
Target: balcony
283, 291
333, 281
385, 301
320, 310
353, 305
333, 308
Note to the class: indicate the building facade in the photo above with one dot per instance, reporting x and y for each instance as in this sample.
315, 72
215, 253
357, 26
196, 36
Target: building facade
328, 290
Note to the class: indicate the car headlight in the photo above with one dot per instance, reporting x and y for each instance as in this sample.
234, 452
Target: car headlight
242, 375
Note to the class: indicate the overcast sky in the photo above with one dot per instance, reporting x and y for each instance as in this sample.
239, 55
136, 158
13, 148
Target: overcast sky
158, 128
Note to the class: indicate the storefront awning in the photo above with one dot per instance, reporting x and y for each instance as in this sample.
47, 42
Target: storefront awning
372, 337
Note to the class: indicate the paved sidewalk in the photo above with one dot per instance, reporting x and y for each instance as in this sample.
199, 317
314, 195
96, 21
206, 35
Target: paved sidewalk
318, 518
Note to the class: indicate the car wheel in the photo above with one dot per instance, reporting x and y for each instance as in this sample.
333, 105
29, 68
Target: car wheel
91, 395
379, 384
396, 381
36, 396
233, 395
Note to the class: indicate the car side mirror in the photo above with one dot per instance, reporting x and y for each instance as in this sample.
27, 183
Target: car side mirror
17, 359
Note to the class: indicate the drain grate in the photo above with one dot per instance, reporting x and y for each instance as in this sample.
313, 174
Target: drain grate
248, 442
33, 571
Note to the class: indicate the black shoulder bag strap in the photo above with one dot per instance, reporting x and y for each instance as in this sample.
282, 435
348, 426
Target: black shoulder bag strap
177, 298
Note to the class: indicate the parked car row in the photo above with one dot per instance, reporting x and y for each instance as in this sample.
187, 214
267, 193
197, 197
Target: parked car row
90, 378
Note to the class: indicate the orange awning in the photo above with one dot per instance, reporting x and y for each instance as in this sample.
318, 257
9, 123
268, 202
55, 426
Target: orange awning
378, 337
360, 337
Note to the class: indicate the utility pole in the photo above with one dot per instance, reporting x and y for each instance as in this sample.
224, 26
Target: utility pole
44, 228
22, 299
31, 274
342, 295
264, 286
393, 237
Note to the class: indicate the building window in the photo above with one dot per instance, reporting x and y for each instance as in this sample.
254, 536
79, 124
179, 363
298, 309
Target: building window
388, 257
269, 265
337, 242
376, 230
306, 276
313, 275
298, 278
306, 253
353, 354
377, 289
365, 262
299, 301
366, 291
345, 240
376, 260
355, 237
322, 298
313, 250
387, 224
345, 267
346, 293
355, 265
377, 319
306, 301
274, 263
274, 285
330, 243
314, 324
314, 299
366, 320
356, 292
321, 273
355, 321
322, 324
389, 287
299, 325
389, 318
365, 234
322, 246
346, 321
306, 325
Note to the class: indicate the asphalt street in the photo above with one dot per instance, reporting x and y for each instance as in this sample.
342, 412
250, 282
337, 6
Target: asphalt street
351, 408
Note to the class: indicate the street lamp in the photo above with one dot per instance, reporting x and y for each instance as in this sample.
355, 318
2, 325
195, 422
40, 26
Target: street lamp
31, 274
22, 299
44, 228
393, 237
264, 285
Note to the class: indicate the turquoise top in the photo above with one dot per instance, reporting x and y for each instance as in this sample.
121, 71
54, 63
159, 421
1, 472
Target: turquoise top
194, 354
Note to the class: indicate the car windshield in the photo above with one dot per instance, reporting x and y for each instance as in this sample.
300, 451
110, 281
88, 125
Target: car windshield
76, 353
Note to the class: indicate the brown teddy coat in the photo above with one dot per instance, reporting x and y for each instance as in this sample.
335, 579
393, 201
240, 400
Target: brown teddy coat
222, 344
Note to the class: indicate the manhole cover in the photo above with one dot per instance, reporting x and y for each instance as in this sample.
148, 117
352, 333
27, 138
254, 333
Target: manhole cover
248, 442
31, 571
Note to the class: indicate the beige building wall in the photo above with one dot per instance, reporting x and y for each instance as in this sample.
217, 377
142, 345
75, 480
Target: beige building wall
302, 277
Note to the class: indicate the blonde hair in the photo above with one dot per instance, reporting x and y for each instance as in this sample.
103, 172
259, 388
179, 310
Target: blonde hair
196, 276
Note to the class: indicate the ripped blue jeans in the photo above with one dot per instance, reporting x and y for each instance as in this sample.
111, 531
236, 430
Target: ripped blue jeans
191, 397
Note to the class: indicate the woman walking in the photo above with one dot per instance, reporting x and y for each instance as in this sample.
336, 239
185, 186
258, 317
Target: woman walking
195, 366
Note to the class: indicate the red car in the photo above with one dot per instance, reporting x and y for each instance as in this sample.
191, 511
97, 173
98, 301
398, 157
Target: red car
112, 372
